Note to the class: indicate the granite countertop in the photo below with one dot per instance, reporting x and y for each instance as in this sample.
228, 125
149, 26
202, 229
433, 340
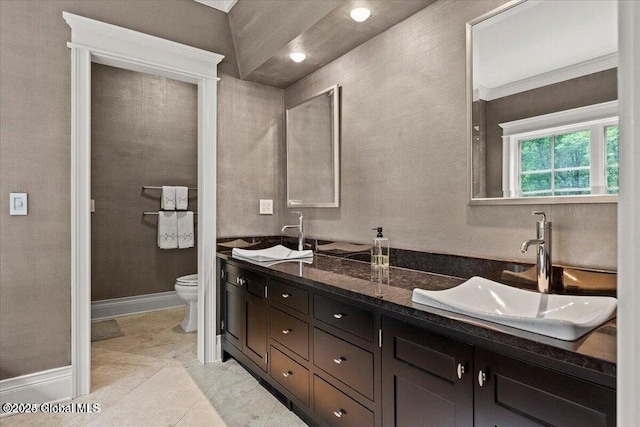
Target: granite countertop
595, 351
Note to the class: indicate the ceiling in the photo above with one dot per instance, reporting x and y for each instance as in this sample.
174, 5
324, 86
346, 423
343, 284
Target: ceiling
223, 5
542, 37
265, 33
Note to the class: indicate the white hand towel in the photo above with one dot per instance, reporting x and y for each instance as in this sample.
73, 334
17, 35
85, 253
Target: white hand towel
168, 201
186, 237
182, 198
167, 230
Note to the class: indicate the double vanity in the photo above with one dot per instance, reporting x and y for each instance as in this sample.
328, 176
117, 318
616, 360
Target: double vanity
315, 333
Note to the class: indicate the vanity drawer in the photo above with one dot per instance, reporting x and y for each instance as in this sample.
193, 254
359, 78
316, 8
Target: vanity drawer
290, 374
295, 298
336, 408
290, 332
345, 316
347, 362
255, 283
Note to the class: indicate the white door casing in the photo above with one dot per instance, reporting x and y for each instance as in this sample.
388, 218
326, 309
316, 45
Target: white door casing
95, 41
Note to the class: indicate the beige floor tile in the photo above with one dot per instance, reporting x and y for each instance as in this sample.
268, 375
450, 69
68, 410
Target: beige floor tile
283, 417
161, 400
151, 377
240, 400
202, 414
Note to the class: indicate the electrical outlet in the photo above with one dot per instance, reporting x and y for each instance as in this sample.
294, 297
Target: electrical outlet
266, 207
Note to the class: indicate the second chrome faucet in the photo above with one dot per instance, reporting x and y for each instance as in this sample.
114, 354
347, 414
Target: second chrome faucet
300, 227
544, 265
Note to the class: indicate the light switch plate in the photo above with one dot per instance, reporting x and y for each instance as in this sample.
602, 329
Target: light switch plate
266, 207
17, 203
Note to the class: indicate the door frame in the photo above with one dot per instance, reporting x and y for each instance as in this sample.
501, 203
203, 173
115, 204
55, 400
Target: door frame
628, 378
95, 41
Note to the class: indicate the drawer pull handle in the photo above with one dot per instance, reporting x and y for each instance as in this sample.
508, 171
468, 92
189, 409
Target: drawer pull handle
287, 374
338, 315
460, 370
482, 378
286, 331
339, 360
286, 296
339, 413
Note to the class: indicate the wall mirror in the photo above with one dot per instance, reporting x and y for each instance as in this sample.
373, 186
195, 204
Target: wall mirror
313, 151
542, 103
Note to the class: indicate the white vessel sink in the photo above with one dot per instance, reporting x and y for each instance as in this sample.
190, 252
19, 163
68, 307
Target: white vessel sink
559, 316
275, 253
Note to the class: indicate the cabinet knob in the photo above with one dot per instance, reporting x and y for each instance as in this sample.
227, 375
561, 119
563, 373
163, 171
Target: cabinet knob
338, 315
287, 374
339, 413
482, 378
460, 370
285, 296
286, 331
339, 360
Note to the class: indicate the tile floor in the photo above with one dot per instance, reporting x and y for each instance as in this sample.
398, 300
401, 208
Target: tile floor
151, 377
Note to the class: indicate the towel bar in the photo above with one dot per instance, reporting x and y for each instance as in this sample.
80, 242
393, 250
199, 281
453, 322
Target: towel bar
158, 213
153, 187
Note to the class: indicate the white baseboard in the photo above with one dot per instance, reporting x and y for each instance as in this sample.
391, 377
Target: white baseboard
53, 385
109, 308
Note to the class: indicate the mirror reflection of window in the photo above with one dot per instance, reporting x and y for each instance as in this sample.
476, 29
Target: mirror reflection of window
544, 108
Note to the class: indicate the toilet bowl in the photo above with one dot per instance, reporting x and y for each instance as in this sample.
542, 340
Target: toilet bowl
187, 290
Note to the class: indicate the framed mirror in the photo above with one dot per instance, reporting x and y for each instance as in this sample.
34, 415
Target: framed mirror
542, 102
313, 151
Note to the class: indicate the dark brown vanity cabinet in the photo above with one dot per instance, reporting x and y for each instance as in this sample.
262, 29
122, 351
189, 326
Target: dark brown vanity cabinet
509, 392
427, 380
233, 306
246, 313
341, 363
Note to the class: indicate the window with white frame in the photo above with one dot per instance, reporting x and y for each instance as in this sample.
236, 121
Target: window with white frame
569, 153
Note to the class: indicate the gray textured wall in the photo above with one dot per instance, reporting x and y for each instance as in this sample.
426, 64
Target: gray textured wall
144, 131
404, 151
250, 157
586, 90
35, 108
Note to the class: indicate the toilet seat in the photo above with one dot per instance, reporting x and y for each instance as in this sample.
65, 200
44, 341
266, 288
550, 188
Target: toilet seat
190, 280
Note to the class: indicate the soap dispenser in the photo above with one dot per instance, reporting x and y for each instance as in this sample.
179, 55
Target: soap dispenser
380, 263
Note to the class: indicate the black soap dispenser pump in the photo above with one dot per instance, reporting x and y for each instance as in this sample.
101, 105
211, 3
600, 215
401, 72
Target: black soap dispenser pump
380, 263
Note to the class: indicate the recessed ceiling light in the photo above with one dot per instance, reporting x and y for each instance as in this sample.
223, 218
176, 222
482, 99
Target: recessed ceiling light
360, 14
298, 56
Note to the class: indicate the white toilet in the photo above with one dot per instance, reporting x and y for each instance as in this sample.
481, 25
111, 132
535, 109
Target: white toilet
187, 290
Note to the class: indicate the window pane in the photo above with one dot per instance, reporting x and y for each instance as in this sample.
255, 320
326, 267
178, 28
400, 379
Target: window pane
572, 149
572, 192
535, 154
536, 182
611, 135
612, 180
572, 179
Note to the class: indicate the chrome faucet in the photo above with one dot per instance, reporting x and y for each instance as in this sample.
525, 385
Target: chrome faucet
300, 227
544, 266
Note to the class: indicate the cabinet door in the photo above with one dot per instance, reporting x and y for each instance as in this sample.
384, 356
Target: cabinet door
233, 314
509, 392
255, 339
426, 378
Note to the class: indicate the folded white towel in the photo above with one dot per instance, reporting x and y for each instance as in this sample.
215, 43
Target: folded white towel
168, 201
182, 198
167, 230
186, 236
